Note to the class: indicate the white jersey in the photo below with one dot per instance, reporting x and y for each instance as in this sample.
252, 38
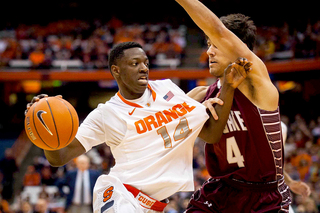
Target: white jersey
151, 138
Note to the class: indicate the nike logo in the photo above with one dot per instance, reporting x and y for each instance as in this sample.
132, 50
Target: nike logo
39, 115
130, 113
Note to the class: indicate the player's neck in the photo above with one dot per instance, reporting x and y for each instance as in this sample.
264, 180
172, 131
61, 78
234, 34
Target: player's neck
130, 96
221, 79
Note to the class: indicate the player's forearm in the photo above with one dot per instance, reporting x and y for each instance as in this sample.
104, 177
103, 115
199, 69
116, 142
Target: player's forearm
213, 129
287, 178
62, 156
203, 17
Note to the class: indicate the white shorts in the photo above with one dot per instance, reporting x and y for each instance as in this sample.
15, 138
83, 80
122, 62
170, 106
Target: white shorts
111, 196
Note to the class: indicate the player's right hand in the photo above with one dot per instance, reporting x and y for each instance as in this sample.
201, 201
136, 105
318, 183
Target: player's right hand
36, 99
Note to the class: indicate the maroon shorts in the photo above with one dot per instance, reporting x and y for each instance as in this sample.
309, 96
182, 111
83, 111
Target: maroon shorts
226, 195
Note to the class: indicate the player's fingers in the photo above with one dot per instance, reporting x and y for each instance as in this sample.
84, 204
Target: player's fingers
218, 94
247, 66
308, 192
215, 101
59, 96
212, 110
42, 96
35, 99
240, 61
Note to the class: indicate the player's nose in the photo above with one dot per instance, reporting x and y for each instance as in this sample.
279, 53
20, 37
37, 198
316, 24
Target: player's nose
211, 51
144, 68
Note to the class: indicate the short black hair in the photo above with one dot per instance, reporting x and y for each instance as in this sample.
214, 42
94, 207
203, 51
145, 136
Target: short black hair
117, 52
242, 26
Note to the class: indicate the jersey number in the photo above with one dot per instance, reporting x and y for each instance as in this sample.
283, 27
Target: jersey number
233, 152
182, 130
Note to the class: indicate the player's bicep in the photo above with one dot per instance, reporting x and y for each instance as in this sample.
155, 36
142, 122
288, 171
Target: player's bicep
91, 131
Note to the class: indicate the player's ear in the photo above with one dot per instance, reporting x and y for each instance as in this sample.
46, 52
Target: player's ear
115, 70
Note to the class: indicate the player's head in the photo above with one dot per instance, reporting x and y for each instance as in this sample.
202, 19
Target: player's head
242, 26
83, 162
129, 65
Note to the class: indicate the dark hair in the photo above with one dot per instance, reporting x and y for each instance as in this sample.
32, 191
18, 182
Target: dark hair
117, 52
242, 26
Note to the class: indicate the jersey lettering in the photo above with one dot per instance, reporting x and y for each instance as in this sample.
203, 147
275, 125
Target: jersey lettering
235, 123
160, 118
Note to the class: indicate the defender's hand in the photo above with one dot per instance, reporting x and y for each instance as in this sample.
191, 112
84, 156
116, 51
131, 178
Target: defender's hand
209, 104
36, 99
300, 188
236, 72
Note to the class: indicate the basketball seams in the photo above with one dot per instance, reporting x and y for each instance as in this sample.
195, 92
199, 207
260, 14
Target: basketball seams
72, 129
54, 123
35, 127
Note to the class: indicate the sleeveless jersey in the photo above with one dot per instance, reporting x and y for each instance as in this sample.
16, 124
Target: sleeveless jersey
155, 153
251, 147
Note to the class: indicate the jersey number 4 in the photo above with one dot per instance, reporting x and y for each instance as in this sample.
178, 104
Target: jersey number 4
233, 152
182, 130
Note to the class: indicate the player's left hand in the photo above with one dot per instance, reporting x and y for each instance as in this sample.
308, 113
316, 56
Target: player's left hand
209, 104
237, 71
300, 188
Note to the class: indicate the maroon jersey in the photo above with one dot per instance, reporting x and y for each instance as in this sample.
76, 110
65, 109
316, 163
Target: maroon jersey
251, 147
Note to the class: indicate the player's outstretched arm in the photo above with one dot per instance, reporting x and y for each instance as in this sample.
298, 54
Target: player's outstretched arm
216, 31
234, 74
62, 156
258, 88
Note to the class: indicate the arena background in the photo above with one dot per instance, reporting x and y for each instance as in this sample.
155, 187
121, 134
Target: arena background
296, 75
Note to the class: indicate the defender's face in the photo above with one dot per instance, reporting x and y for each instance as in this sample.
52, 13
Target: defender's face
133, 72
218, 61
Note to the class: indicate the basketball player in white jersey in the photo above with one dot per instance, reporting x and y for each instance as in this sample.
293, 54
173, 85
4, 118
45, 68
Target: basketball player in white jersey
150, 127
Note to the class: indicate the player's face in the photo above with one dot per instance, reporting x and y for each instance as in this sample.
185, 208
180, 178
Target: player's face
217, 60
133, 73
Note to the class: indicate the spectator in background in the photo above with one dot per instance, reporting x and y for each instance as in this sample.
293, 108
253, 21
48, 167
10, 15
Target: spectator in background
26, 207
47, 176
42, 206
8, 167
37, 57
80, 182
31, 177
4, 206
302, 162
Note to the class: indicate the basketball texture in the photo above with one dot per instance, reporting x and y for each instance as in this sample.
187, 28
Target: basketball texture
51, 123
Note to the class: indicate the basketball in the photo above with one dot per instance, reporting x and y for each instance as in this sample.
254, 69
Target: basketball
51, 123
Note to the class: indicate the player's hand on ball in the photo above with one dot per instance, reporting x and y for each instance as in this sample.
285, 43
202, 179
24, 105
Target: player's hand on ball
237, 71
36, 99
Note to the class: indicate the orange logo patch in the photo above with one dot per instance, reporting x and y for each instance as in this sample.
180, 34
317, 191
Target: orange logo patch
108, 194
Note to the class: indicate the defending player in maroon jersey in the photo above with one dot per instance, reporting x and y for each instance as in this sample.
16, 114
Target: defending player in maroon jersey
246, 165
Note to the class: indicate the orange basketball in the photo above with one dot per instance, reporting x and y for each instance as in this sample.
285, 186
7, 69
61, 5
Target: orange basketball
51, 123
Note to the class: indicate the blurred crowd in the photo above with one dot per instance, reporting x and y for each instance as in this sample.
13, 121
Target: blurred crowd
87, 42
91, 42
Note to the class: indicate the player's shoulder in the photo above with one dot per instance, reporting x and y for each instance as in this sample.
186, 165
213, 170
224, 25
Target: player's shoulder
164, 85
161, 82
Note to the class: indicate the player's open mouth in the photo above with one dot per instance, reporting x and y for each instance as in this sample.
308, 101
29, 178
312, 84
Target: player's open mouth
143, 79
212, 63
